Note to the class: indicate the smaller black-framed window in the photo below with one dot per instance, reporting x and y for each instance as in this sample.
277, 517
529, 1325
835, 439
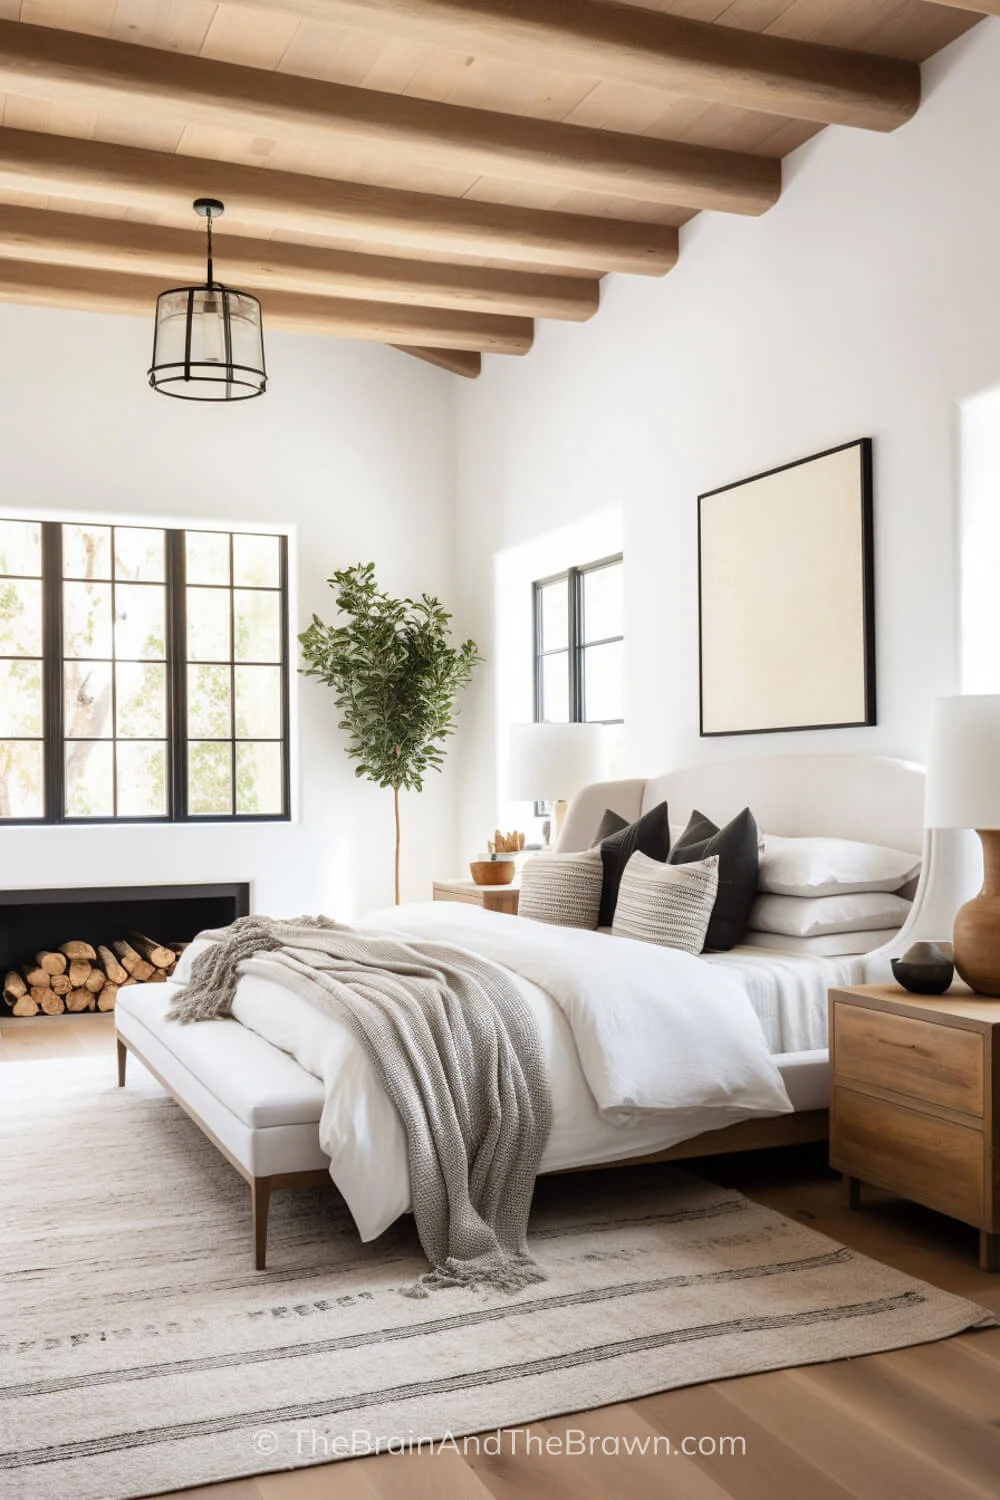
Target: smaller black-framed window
579, 644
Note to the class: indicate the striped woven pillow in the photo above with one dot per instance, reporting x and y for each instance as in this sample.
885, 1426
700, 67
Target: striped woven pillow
564, 889
667, 904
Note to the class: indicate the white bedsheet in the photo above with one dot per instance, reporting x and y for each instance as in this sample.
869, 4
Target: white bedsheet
788, 992
696, 1056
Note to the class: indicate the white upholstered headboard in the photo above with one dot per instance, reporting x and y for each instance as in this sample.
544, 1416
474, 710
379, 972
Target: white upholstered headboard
872, 798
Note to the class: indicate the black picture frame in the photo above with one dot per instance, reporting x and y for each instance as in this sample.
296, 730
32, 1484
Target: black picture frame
866, 522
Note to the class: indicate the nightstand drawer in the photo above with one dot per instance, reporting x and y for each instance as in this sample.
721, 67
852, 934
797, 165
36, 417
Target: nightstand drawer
934, 1161
937, 1064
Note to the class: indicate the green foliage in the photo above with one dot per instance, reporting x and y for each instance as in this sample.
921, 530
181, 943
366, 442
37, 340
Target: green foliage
395, 676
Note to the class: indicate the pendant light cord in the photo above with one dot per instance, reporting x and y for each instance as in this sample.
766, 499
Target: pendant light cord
208, 229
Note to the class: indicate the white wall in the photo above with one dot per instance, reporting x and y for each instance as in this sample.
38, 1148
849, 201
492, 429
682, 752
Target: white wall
352, 449
866, 303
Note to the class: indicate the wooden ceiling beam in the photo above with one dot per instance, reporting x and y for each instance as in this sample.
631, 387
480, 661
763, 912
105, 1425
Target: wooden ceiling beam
457, 361
384, 323
66, 239
647, 48
67, 68
976, 7
161, 182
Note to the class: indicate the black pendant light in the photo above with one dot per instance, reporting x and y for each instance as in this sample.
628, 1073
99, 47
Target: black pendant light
208, 343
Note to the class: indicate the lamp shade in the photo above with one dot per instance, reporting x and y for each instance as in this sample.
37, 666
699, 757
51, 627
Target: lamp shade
552, 762
963, 773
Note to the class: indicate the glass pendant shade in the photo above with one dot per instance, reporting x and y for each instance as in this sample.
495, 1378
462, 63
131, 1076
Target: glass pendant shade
208, 341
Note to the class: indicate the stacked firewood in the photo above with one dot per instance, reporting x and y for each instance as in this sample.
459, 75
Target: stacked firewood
80, 977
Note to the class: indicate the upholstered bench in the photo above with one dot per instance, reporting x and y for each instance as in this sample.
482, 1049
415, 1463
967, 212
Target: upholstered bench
253, 1102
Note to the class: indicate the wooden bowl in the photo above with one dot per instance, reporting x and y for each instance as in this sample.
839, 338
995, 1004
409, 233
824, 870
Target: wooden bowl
492, 871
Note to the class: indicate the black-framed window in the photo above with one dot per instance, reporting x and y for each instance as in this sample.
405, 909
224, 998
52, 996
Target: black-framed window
143, 674
580, 644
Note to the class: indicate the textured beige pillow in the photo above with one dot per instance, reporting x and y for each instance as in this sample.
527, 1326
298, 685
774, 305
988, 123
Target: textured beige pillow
564, 889
667, 904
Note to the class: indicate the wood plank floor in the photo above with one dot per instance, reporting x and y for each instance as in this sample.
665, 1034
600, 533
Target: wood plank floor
918, 1424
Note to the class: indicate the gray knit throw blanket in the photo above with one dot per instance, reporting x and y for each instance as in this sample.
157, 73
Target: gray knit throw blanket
457, 1050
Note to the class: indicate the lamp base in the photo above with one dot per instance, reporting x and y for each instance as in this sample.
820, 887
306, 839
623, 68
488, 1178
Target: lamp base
977, 925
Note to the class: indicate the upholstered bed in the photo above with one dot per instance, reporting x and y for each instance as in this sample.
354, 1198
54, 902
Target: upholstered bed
266, 1111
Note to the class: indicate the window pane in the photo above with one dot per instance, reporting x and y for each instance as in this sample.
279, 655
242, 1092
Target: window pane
208, 707
258, 702
258, 626
21, 547
22, 779
142, 780
258, 779
87, 619
210, 781
141, 693
86, 551
139, 554
603, 681
555, 616
20, 698
555, 687
90, 779
207, 556
603, 603
20, 617
87, 700
140, 621
208, 624
256, 561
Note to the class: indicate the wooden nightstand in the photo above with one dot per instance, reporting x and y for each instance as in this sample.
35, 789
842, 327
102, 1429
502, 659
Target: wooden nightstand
915, 1101
490, 897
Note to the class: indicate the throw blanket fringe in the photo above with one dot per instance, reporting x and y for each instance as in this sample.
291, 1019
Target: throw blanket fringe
457, 1050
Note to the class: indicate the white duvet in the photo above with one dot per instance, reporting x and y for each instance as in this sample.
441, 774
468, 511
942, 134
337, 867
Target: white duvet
646, 1047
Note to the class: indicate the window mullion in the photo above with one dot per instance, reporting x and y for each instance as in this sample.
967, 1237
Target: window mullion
52, 670
575, 592
176, 675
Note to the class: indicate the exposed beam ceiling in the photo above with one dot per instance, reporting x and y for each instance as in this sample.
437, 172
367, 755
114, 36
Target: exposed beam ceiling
263, 266
384, 323
457, 361
65, 68
159, 181
977, 7
644, 47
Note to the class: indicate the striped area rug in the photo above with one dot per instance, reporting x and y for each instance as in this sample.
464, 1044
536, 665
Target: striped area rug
141, 1353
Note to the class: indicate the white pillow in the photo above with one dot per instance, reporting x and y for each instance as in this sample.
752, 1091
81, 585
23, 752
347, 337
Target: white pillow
564, 889
667, 904
816, 916
834, 945
821, 867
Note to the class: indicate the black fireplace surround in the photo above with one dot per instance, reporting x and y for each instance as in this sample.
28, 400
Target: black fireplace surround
33, 920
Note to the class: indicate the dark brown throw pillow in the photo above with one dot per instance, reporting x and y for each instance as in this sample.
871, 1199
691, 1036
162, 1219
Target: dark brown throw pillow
737, 848
649, 834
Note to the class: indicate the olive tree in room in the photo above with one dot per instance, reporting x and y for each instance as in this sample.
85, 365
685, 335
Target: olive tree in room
395, 675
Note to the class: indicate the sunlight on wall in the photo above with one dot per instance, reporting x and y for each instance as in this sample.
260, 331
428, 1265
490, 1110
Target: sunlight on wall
979, 544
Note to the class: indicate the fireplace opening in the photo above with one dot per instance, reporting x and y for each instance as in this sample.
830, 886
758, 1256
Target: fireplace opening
132, 932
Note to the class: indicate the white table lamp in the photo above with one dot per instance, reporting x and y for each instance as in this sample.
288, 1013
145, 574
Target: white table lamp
552, 762
963, 791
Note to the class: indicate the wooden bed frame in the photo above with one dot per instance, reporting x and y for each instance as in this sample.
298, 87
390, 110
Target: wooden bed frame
748, 1135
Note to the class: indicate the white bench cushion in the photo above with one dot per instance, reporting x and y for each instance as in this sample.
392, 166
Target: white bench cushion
259, 1084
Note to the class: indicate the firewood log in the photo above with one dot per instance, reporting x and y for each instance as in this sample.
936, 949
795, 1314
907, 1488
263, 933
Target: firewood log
126, 982
157, 954
136, 965
112, 968
24, 1005
61, 984
37, 978
80, 971
52, 963
51, 1003
106, 999
14, 985
78, 1000
96, 980
158, 976
77, 949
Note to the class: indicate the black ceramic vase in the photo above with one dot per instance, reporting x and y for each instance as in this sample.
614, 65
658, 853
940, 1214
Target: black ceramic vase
924, 969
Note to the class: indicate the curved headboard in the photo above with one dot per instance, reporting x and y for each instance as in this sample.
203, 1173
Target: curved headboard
872, 798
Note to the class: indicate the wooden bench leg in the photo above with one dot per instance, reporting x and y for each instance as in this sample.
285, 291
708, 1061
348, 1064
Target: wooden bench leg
122, 1058
260, 1197
852, 1191
989, 1251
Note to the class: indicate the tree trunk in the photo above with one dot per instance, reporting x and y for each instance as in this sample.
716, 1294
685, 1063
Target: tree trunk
395, 809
